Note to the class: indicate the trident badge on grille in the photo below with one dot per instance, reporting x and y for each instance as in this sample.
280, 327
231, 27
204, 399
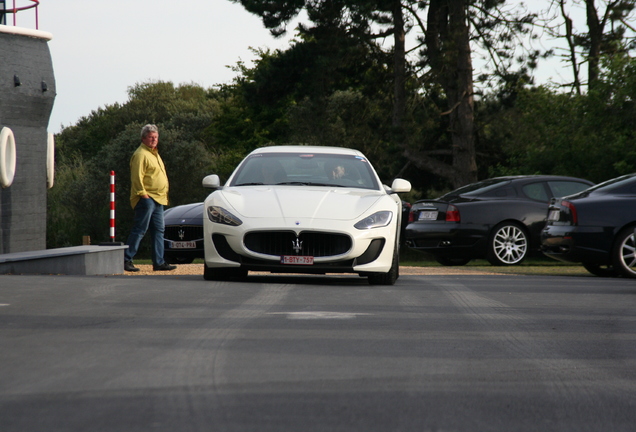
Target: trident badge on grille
297, 245
181, 234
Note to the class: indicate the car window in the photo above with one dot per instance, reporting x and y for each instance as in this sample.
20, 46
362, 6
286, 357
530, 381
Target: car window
500, 192
562, 188
298, 169
479, 188
614, 184
536, 191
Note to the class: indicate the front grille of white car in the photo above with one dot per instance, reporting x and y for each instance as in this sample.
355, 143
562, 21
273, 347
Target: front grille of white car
312, 243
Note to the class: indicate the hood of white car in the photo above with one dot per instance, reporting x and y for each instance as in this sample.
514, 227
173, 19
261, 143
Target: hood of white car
300, 202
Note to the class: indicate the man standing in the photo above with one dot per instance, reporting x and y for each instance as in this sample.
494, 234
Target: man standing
148, 195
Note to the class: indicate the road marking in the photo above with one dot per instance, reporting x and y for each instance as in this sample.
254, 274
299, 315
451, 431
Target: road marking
318, 315
4, 304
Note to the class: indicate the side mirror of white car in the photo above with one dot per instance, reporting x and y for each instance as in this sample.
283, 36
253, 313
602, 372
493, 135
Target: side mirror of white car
400, 185
212, 182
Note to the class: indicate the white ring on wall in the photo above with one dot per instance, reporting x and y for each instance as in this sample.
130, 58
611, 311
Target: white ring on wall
50, 160
7, 157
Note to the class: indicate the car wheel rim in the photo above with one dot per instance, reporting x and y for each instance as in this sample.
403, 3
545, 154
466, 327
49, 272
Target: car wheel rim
628, 255
510, 244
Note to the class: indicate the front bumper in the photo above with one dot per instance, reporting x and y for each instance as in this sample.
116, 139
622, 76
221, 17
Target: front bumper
447, 239
370, 250
576, 244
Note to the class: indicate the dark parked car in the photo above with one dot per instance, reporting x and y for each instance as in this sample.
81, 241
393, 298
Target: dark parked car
499, 219
183, 238
595, 227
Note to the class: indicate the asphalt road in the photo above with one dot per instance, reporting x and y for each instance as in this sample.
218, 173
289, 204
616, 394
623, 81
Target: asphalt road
292, 353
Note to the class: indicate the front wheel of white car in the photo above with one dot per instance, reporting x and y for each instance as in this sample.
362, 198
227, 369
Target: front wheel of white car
391, 276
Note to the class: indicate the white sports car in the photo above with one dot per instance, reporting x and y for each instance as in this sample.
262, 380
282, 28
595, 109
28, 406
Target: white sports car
301, 209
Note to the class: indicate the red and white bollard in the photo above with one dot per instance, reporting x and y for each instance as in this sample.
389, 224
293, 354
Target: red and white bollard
112, 206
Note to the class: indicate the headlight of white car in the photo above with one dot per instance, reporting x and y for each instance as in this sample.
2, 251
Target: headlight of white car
219, 215
376, 220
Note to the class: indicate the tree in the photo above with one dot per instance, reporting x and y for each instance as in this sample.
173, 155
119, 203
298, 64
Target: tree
608, 32
589, 136
348, 20
449, 56
449, 29
104, 141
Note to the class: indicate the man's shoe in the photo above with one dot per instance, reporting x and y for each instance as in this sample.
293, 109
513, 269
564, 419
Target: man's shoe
163, 267
130, 267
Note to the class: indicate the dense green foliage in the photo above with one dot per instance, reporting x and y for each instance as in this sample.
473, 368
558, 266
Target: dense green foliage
86, 153
590, 136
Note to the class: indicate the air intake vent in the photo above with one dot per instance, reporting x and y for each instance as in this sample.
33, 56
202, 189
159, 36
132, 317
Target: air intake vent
316, 244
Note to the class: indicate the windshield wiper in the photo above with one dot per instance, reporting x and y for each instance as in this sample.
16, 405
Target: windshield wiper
251, 184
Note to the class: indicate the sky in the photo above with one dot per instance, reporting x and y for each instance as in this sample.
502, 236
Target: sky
101, 48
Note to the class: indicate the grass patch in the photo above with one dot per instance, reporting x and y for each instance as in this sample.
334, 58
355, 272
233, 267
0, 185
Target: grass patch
537, 265
563, 270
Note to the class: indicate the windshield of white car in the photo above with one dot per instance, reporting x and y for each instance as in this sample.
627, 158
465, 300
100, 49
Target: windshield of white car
299, 169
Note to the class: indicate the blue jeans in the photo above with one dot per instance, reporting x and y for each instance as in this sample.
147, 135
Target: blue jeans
148, 217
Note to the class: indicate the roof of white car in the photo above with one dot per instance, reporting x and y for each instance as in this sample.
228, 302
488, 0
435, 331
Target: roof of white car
308, 149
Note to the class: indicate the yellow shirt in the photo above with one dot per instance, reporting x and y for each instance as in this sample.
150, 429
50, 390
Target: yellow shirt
148, 176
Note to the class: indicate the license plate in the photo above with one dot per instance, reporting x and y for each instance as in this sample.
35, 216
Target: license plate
427, 215
554, 215
183, 245
299, 260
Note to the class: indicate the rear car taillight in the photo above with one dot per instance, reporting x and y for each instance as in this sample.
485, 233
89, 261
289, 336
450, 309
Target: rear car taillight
452, 214
574, 219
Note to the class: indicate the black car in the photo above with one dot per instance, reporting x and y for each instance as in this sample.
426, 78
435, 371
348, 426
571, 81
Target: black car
595, 227
499, 219
183, 237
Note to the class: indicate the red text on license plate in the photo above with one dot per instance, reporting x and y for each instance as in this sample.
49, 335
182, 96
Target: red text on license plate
301, 260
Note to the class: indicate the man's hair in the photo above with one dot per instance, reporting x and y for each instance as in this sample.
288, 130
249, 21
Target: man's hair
147, 129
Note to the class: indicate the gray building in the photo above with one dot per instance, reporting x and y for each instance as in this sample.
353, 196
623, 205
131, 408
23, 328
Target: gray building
27, 93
